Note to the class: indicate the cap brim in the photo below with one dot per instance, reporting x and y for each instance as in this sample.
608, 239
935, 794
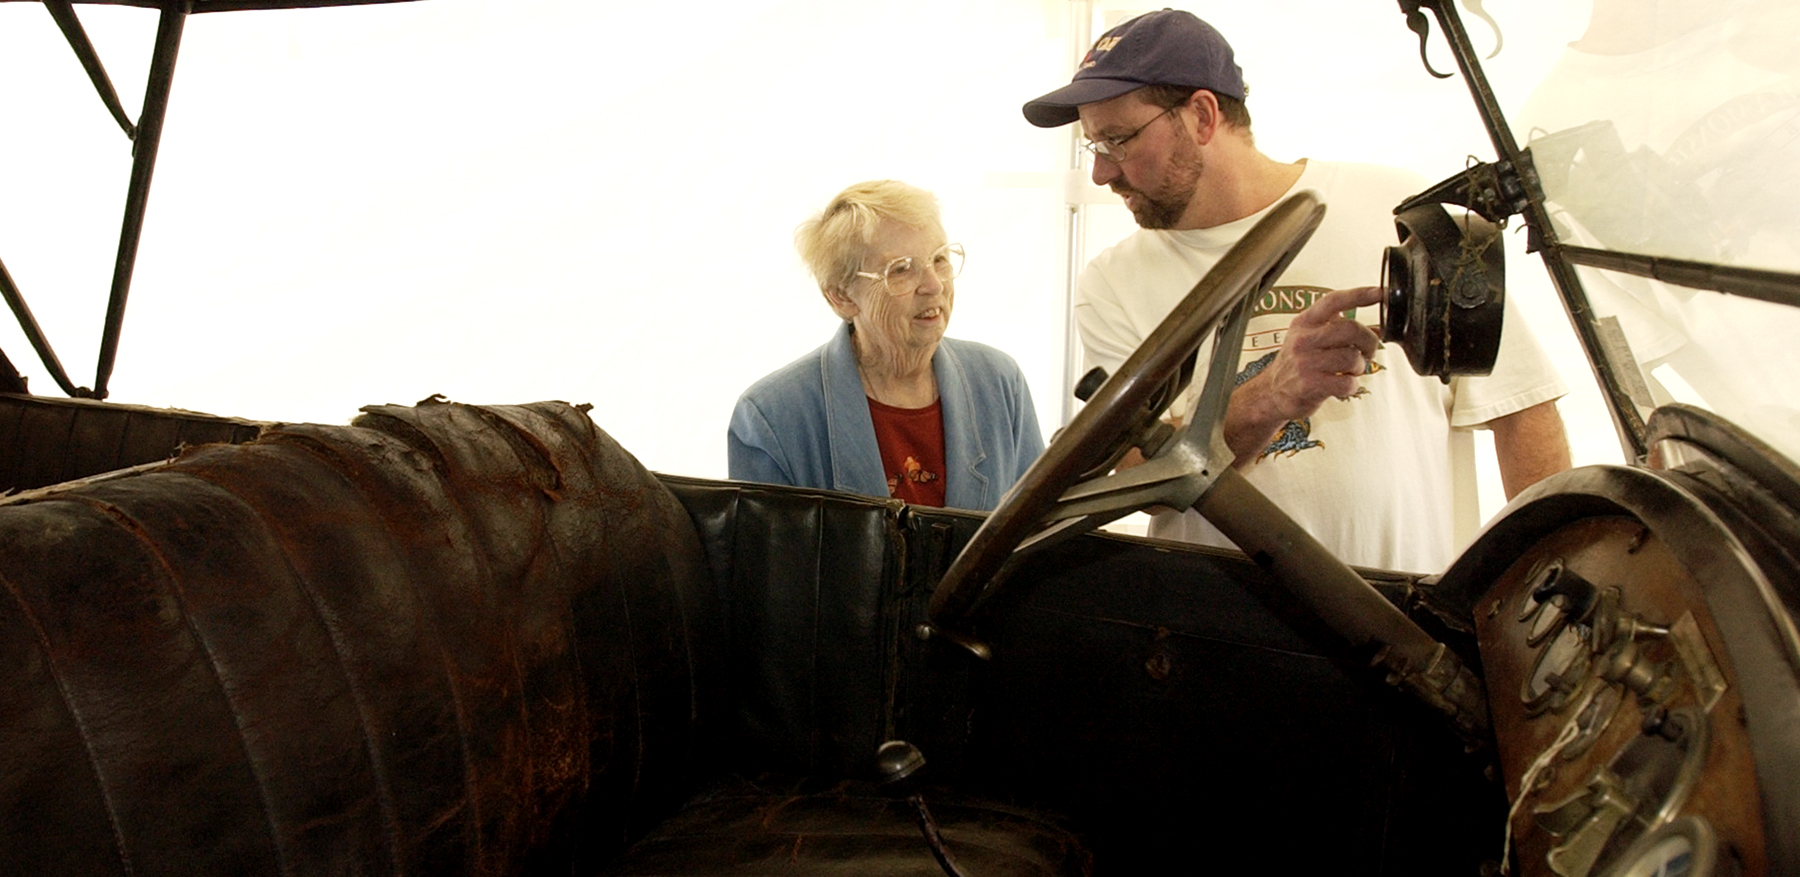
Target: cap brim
1063, 105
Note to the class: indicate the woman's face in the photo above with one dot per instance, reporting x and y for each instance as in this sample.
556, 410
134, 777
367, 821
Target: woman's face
914, 320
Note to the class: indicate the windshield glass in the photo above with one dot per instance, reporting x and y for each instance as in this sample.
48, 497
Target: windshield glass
1672, 129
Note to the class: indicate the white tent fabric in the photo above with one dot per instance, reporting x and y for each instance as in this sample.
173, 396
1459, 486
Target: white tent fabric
506, 201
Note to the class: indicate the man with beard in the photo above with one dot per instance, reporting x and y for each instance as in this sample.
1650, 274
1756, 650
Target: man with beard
1334, 427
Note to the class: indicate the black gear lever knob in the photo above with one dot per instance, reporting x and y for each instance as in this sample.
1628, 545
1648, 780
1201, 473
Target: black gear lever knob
1090, 383
897, 761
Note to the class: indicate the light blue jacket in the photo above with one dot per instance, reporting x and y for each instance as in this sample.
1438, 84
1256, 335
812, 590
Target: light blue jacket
808, 424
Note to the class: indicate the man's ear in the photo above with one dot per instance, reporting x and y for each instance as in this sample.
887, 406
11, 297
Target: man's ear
841, 302
1205, 107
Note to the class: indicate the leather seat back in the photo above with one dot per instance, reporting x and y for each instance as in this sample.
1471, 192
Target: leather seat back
808, 585
447, 639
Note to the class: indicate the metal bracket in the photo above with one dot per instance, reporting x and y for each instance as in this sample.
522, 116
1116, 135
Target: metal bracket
1496, 191
1419, 24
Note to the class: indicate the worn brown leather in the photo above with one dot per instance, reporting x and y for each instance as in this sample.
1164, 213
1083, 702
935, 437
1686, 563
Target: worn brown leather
448, 639
807, 828
445, 640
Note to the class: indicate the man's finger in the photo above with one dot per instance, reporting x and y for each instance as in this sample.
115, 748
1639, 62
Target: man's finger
1339, 333
1326, 307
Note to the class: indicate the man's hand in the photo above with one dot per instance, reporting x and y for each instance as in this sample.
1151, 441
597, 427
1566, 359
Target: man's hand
1323, 356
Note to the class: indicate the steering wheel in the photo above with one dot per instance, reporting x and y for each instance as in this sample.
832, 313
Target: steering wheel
1068, 491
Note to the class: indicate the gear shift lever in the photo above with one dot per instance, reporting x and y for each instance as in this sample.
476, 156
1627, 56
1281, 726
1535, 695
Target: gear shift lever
898, 762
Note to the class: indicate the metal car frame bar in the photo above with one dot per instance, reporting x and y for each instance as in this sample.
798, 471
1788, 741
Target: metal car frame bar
1626, 420
146, 135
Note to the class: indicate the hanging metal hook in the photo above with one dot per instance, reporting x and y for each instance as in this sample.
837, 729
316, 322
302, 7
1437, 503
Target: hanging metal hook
1419, 24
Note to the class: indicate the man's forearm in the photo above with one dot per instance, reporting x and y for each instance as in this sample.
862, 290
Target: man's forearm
1530, 446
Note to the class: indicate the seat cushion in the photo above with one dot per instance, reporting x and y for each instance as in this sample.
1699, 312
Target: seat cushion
781, 825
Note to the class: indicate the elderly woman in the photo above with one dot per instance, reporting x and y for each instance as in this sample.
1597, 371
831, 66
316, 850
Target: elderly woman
888, 406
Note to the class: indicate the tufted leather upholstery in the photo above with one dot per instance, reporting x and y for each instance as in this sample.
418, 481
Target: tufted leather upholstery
47, 440
820, 593
449, 640
804, 580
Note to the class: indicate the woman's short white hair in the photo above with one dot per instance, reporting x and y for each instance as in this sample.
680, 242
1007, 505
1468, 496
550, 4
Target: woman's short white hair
834, 242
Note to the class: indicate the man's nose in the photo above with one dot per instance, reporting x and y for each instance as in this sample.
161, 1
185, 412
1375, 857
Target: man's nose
1105, 170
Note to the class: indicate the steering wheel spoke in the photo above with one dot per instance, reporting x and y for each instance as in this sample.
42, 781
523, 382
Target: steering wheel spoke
1175, 475
1166, 480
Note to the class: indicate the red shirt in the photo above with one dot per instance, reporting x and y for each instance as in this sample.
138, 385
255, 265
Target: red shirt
912, 451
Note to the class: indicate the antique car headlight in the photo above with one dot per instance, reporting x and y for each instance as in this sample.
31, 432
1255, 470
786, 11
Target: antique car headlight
1446, 292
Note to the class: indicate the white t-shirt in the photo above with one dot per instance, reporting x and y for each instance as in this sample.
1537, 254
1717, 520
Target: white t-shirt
1370, 477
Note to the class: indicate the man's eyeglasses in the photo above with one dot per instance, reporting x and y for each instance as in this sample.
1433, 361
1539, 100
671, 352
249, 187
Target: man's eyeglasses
1113, 148
903, 275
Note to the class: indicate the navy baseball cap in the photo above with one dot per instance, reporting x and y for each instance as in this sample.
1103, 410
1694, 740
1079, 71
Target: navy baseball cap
1168, 47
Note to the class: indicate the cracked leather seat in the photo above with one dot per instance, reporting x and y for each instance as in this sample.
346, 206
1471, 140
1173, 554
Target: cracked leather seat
456, 640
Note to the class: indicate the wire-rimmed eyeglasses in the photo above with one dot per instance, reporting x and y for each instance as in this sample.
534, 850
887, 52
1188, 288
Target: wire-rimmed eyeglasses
903, 275
1113, 148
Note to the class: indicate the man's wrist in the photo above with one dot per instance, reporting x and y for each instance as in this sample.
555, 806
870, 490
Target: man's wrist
1251, 421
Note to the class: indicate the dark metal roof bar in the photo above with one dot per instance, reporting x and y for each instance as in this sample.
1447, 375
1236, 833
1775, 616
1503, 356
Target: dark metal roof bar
64, 13
1626, 420
198, 6
242, 5
143, 166
1770, 286
35, 334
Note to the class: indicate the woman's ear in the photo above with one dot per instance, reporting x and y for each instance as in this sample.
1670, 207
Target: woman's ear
841, 302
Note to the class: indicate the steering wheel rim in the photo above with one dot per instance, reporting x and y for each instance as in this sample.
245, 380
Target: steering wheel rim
1121, 409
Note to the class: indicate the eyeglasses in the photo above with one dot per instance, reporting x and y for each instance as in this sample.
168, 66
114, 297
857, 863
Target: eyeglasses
903, 275
1113, 148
